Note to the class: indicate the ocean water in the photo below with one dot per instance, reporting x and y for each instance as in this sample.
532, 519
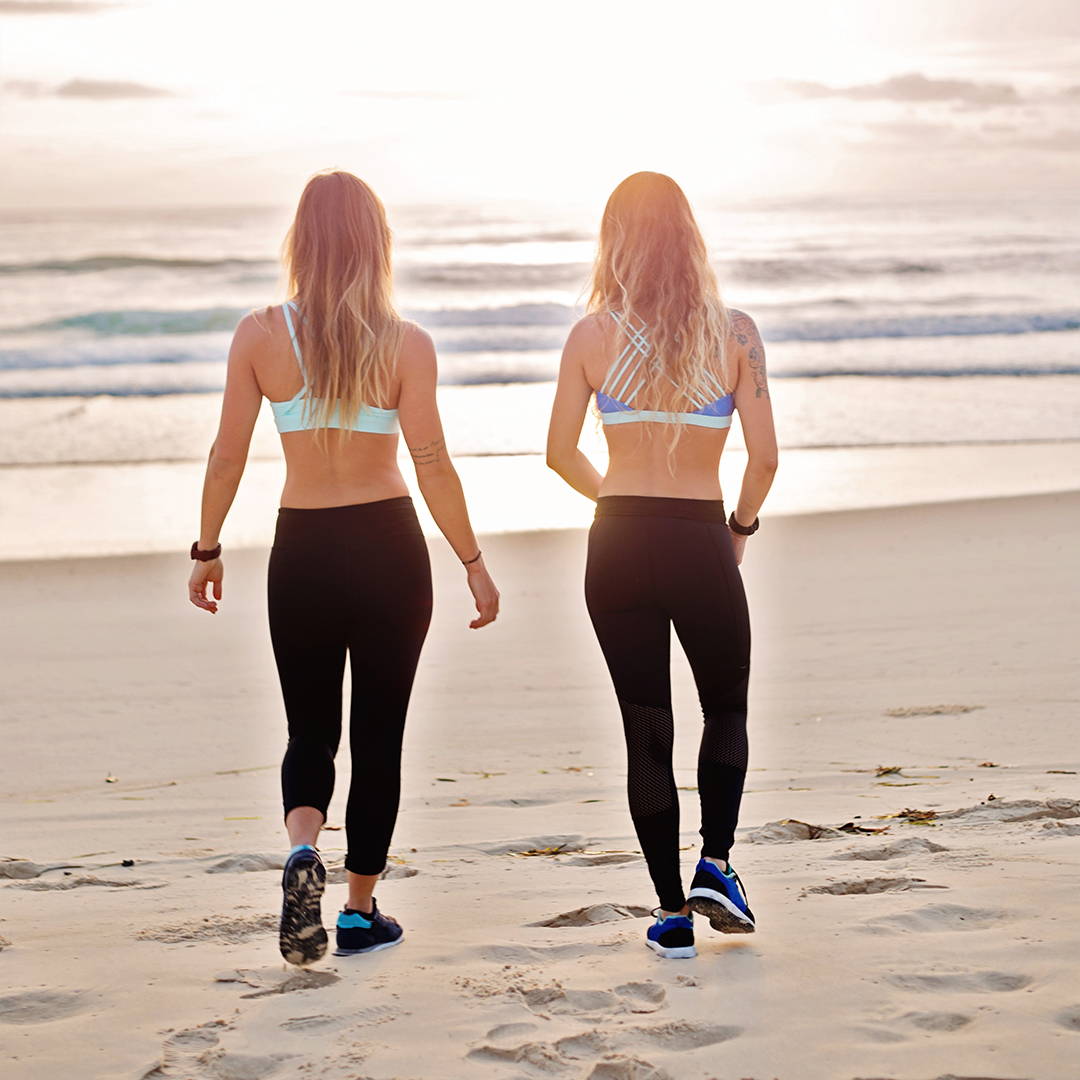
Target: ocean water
922, 351
918, 323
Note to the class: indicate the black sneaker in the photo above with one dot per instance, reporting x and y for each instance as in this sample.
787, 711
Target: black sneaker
358, 933
672, 936
302, 939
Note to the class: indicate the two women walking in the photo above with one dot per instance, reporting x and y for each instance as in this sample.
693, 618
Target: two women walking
349, 574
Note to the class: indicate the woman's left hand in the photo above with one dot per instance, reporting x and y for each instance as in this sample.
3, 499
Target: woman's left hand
203, 574
484, 593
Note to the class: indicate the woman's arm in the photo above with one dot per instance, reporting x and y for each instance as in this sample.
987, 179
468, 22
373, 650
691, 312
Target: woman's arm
228, 456
755, 416
568, 411
418, 413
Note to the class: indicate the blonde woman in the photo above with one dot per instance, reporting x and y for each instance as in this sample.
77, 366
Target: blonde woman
668, 365
349, 572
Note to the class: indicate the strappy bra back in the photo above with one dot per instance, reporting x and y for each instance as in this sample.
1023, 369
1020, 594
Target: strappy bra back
626, 376
296, 413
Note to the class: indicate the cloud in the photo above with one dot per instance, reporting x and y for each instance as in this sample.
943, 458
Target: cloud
52, 7
913, 87
108, 90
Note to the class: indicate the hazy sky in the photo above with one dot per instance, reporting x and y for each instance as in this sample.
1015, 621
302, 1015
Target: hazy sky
230, 101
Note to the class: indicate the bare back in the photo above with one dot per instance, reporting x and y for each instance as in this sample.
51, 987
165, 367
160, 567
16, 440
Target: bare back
641, 460
352, 467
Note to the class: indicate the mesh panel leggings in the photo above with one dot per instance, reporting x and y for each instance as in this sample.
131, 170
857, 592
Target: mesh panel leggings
654, 563
349, 580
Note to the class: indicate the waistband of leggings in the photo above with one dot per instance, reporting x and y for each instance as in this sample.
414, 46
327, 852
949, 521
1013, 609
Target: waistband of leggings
360, 513
657, 506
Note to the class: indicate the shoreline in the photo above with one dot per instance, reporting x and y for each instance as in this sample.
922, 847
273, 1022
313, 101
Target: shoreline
153, 507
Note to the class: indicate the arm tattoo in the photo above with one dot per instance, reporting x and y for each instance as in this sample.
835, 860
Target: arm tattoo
746, 334
430, 453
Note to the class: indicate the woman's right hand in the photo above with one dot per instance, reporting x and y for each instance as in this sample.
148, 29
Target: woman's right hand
484, 593
739, 544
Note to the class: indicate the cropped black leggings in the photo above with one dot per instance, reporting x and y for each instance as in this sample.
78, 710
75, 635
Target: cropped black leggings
355, 580
654, 563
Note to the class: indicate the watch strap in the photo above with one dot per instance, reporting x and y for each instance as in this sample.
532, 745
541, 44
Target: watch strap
743, 530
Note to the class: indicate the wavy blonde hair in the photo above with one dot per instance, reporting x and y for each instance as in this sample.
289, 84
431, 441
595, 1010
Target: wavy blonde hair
652, 268
337, 255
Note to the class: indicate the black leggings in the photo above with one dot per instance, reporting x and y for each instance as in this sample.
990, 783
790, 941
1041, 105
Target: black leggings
654, 562
352, 579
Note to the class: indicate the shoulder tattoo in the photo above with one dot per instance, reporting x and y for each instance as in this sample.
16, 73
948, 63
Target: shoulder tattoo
746, 334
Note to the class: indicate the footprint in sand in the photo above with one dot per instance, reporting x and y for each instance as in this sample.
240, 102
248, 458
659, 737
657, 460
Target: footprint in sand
1004, 811
20, 868
1062, 828
269, 981
246, 864
678, 1035
228, 929
195, 1039
510, 1031
1069, 1018
675, 1035
316, 1024
604, 858
934, 918
65, 883
215, 1064
783, 832
617, 1067
910, 845
635, 997
40, 1006
870, 886
936, 1021
539, 1055
594, 913
968, 981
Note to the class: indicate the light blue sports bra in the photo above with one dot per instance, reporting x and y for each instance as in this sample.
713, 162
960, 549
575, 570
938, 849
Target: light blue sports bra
294, 414
615, 398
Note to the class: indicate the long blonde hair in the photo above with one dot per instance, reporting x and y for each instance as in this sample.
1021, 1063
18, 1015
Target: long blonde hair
652, 269
337, 254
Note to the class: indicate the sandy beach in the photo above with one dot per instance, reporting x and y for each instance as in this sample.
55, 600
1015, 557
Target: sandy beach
910, 835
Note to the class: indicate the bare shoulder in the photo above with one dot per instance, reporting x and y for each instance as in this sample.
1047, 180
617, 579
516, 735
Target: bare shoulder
589, 330
416, 354
743, 329
253, 332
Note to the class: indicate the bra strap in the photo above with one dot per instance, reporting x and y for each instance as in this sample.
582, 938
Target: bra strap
286, 310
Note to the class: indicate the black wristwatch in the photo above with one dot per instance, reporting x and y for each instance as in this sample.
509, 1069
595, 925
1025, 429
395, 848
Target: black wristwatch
205, 556
743, 530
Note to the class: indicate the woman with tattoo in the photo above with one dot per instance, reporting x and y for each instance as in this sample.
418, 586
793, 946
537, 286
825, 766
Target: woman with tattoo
349, 572
668, 364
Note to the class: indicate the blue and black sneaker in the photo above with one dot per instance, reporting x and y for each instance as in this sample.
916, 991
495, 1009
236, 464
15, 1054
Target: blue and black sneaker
672, 936
302, 939
360, 933
719, 896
